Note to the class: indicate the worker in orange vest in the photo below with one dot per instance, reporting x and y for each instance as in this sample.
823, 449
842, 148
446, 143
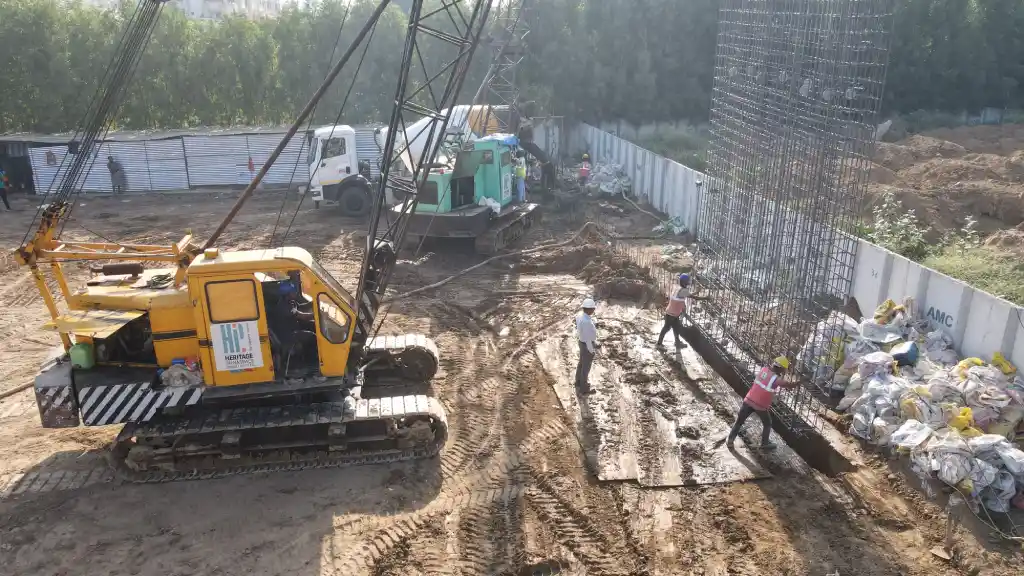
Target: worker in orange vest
585, 170
759, 398
677, 303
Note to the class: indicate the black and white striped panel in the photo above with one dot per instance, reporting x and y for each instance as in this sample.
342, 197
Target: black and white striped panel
104, 405
56, 407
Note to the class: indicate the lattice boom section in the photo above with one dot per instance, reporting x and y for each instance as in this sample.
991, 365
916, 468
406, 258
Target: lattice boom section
798, 84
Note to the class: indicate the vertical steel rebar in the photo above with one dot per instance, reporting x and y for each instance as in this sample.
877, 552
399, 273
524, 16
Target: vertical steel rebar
797, 89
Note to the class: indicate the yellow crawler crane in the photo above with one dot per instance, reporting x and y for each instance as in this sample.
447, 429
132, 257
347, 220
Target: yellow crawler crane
224, 362
262, 391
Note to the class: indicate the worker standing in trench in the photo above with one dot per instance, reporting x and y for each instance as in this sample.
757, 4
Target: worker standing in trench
759, 399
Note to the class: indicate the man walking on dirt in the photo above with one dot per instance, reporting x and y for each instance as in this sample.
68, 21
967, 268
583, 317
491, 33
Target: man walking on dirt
586, 334
759, 400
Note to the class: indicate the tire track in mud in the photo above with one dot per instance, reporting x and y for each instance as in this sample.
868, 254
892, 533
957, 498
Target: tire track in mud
463, 495
574, 529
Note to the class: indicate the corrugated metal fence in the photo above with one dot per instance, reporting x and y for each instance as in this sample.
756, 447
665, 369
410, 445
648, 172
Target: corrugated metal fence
178, 163
665, 184
186, 162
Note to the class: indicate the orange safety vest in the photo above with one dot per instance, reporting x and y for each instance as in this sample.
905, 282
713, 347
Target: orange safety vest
585, 169
675, 305
762, 392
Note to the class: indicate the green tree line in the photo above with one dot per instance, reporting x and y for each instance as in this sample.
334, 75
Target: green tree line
637, 60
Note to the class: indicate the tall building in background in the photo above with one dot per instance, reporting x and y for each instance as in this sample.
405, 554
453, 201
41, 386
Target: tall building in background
215, 9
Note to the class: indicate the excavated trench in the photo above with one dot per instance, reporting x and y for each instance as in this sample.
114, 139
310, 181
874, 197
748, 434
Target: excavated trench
810, 446
615, 276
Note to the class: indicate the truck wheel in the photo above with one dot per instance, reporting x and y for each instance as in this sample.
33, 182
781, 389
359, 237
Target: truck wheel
354, 201
316, 204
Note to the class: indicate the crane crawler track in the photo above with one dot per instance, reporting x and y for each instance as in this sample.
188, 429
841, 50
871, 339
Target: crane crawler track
404, 356
508, 230
214, 443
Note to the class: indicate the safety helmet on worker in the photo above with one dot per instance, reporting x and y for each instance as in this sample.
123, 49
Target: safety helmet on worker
586, 156
588, 304
684, 279
780, 363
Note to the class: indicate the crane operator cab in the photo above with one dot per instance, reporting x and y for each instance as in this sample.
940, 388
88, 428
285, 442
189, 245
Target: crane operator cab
291, 326
269, 316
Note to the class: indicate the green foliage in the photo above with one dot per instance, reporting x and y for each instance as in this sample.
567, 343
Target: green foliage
639, 61
997, 272
689, 147
959, 253
896, 229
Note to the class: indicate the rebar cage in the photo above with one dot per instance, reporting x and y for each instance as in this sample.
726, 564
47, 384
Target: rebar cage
797, 90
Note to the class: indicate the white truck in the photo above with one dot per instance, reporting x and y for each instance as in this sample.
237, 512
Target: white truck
341, 167
344, 162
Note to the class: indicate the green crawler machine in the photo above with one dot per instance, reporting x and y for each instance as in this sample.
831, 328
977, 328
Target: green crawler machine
470, 192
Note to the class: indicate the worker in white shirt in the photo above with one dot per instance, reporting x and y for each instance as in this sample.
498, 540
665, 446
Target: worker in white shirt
586, 333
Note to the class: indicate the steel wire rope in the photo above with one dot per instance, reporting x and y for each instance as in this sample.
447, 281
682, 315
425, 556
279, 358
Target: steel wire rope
100, 121
337, 119
83, 120
309, 125
114, 98
488, 78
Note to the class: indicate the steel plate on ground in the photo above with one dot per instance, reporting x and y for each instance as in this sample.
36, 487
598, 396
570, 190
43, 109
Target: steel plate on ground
640, 423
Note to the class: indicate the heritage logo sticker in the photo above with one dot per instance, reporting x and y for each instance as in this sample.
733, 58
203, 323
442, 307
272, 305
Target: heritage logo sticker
236, 346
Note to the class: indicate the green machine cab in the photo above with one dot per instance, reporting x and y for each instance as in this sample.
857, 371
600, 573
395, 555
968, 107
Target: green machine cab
471, 193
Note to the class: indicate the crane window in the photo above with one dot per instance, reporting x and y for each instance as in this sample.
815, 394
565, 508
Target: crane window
232, 301
506, 158
334, 147
334, 322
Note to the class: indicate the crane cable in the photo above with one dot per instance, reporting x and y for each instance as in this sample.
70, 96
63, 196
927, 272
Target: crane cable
309, 125
110, 105
85, 119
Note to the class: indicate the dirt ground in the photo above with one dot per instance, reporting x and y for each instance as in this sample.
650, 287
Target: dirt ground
510, 494
949, 174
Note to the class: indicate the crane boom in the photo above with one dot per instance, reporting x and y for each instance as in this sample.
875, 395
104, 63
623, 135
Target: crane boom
434, 100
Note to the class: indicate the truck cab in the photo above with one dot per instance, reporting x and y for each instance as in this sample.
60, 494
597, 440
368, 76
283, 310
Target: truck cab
337, 175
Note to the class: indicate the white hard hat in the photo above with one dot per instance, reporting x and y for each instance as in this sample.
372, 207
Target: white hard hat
589, 303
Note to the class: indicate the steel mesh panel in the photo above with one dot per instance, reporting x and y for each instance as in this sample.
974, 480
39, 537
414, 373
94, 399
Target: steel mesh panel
798, 85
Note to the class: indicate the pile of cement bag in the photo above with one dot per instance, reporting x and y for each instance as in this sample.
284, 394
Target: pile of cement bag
608, 179
906, 388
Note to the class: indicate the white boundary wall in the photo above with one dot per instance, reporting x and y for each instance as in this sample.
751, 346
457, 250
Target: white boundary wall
980, 323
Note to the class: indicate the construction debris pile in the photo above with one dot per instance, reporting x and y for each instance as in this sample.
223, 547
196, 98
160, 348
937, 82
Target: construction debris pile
607, 179
960, 421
